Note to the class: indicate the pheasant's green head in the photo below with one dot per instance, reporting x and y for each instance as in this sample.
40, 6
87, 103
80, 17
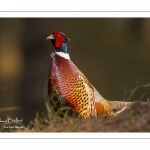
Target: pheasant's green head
59, 41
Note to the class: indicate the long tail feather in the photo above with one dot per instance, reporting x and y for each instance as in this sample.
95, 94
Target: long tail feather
120, 105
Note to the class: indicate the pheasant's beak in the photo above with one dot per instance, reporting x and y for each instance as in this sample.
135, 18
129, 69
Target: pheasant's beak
50, 37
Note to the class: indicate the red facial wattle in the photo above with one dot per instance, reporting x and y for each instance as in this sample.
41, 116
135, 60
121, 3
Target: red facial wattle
59, 38
59, 41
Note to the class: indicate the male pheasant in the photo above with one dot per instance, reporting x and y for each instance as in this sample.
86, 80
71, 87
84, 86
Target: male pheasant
68, 86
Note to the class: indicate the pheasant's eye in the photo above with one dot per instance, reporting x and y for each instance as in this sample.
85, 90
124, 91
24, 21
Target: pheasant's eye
59, 36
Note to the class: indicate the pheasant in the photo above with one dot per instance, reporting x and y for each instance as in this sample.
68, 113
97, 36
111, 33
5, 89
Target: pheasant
68, 86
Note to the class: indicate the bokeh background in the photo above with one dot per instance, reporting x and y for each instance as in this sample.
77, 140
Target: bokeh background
114, 53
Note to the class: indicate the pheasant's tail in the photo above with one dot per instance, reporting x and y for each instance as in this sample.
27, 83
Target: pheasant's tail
109, 107
118, 105
121, 106
113, 108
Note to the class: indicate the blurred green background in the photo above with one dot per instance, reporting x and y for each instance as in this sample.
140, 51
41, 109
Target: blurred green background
114, 53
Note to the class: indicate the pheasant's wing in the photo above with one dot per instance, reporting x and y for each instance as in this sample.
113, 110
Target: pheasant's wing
90, 91
102, 106
99, 104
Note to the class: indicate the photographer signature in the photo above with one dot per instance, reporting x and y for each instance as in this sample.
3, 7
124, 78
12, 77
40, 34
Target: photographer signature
10, 120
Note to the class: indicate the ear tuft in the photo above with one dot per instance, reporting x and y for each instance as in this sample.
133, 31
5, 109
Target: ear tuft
68, 38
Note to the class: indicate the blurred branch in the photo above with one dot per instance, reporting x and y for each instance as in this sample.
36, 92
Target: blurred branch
10, 108
135, 89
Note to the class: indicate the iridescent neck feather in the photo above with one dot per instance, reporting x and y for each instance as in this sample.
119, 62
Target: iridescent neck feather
62, 51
